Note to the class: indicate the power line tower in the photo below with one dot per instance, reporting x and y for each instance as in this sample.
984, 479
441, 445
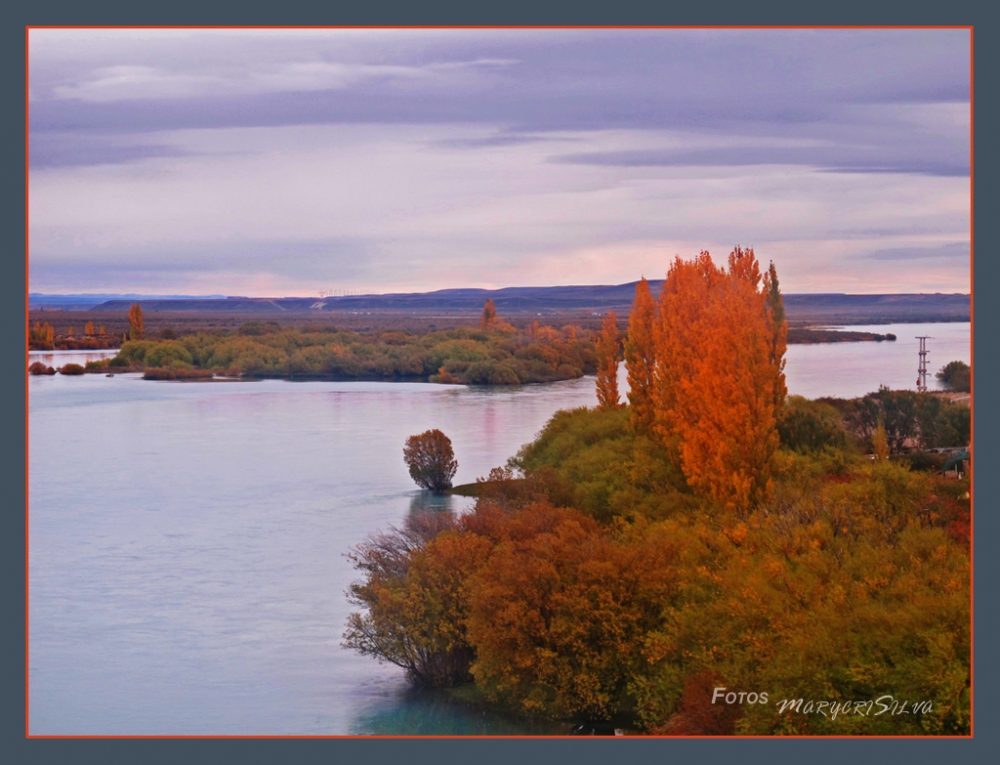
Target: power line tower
922, 368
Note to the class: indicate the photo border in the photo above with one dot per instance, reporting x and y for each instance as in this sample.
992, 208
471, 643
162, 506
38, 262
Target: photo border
270, 749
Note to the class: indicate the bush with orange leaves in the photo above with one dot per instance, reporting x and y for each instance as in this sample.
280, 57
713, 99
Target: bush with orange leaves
431, 460
557, 614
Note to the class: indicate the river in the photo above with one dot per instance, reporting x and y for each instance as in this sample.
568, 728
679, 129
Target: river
186, 568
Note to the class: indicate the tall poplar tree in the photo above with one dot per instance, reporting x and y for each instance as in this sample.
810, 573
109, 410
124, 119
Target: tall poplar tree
719, 344
640, 357
727, 412
677, 340
489, 314
607, 363
135, 323
779, 334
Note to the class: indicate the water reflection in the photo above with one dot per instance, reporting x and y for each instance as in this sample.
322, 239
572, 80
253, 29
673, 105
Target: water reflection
59, 358
428, 502
436, 713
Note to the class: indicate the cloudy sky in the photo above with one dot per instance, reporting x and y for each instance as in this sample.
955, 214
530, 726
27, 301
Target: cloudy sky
269, 162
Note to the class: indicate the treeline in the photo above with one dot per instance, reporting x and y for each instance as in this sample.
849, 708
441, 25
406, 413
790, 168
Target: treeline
626, 565
494, 354
839, 590
911, 421
42, 337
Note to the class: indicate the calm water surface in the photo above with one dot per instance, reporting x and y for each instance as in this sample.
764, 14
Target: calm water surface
59, 358
186, 547
186, 565
846, 370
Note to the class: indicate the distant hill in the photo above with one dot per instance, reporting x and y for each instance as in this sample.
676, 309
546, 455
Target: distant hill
85, 301
547, 301
877, 309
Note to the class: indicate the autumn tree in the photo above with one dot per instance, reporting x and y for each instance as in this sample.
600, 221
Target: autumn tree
640, 360
728, 408
135, 323
489, 314
677, 340
719, 352
431, 460
41, 336
554, 616
607, 363
413, 599
89, 328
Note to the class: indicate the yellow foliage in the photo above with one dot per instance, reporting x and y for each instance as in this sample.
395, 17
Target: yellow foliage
607, 363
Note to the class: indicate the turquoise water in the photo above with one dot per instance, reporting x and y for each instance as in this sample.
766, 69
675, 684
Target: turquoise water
186, 565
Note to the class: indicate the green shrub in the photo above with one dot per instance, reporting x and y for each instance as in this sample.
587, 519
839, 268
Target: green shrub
166, 354
810, 426
176, 373
957, 375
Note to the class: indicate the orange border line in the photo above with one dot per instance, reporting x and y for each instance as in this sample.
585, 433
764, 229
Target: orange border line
972, 385
27, 134
27, 358
509, 26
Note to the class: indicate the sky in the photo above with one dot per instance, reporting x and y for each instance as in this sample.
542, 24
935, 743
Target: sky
295, 162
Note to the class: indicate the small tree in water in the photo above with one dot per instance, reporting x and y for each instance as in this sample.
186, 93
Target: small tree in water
431, 460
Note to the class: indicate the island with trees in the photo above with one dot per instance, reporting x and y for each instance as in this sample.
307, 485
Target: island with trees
492, 353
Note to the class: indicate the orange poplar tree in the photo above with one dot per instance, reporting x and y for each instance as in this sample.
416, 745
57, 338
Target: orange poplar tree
677, 340
607, 363
719, 344
489, 314
727, 411
135, 323
89, 329
640, 359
